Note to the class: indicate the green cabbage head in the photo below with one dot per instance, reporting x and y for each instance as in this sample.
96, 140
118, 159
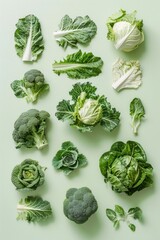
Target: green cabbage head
28, 175
91, 112
125, 167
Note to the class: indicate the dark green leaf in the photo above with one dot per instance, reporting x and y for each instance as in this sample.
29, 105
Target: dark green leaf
136, 213
119, 210
111, 214
132, 227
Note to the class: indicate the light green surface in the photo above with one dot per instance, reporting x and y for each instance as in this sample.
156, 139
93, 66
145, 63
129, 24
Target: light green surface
93, 144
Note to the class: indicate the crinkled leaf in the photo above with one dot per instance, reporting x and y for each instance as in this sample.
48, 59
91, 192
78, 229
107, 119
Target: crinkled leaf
79, 65
79, 30
65, 111
126, 74
33, 209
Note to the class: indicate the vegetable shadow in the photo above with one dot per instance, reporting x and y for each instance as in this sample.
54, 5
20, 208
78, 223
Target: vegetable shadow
86, 230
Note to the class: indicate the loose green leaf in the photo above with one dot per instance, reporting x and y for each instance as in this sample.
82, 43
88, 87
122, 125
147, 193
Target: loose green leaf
136, 213
132, 227
33, 209
116, 224
71, 32
28, 38
111, 214
86, 109
137, 113
79, 65
68, 158
119, 210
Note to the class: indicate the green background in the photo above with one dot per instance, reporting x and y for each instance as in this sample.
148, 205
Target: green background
93, 145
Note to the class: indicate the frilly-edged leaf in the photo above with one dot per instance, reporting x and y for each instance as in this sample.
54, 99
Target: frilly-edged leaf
68, 158
65, 111
80, 30
33, 209
126, 74
79, 65
87, 88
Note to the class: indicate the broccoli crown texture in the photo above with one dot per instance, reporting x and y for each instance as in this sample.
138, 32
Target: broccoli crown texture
33, 77
79, 204
29, 129
31, 86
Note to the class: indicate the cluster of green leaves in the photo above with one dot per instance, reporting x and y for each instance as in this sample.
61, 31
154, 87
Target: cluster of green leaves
33, 209
28, 175
87, 109
68, 158
125, 167
119, 215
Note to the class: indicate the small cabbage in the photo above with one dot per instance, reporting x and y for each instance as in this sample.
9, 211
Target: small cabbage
125, 31
91, 112
125, 167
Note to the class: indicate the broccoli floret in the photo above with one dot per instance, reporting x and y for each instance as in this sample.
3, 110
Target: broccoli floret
79, 204
29, 129
31, 86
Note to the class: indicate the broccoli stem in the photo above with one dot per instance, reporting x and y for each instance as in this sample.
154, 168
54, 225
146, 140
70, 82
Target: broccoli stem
40, 140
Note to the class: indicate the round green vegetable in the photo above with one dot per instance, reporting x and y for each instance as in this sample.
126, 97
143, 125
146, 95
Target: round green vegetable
125, 167
28, 175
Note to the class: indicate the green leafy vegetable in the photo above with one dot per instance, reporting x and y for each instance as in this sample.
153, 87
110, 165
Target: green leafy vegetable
31, 86
29, 129
119, 215
125, 167
80, 30
79, 65
87, 109
34, 209
137, 113
79, 204
68, 158
28, 38
28, 175
126, 74
125, 31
